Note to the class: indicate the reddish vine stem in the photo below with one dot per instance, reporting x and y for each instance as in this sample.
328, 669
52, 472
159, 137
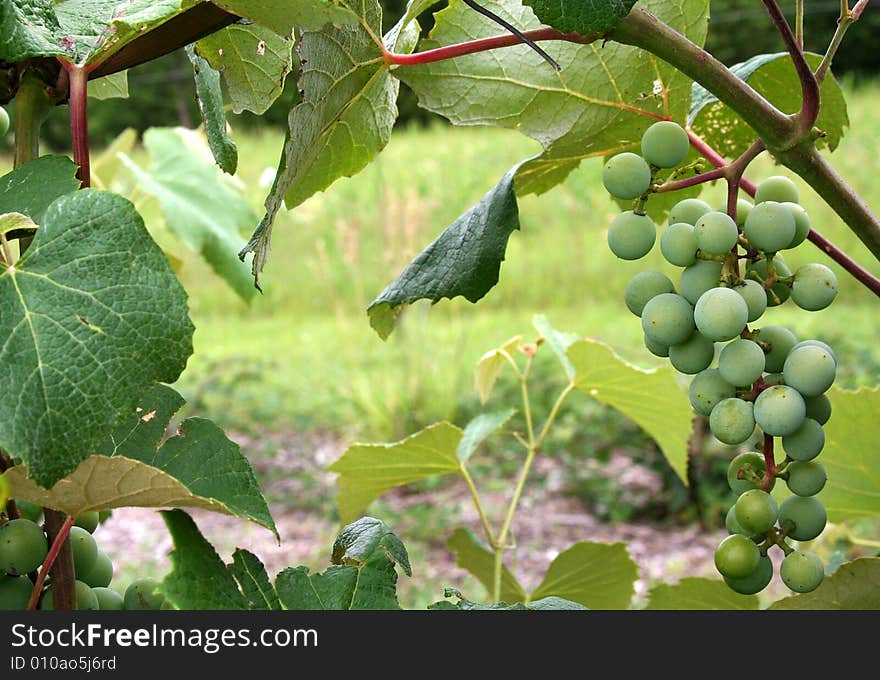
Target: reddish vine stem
60, 556
769, 463
702, 178
79, 129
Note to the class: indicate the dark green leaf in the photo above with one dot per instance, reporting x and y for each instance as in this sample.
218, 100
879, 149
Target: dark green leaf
463, 604
251, 575
478, 429
855, 585
30, 188
365, 537
581, 16
144, 429
210, 98
282, 15
470, 554
28, 29
698, 593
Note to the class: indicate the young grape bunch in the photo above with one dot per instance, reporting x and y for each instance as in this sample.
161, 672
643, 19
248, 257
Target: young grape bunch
756, 383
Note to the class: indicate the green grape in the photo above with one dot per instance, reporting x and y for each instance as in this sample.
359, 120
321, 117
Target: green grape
773, 379
802, 571
701, 276
87, 521
626, 176
816, 343
716, 233
707, 389
810, 370
778, 341
678, 244
631, 236
668, 319
769, 227
15, 592
688, 211
720, 314
29, 510
693, 355
755, 296
819, 409
752, 462
814, 287
779, 410
100, 575
777, 188
780, 291
85, 598
665, 144
756, 511
743, 207
109, 599
803, 516
4, 122
806, 478
734, 528
732, 421
754, 582
741, 362
23, 547
104, 515
85, 550
807, 441
658, 349
801, 224
736, 556
644, 286
141, 594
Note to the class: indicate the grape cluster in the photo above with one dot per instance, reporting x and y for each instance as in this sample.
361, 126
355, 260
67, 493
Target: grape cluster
24, 547
764, 377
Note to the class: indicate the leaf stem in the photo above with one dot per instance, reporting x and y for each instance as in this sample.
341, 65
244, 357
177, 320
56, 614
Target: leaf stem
799, 24
703, 177
59, 561
7, 251
475, 496
79, 128
514, 30
847, 18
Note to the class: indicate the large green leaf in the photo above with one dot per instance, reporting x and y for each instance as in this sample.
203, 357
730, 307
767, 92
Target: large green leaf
27, 28
596, 575
201, 207
93, 316
210, 97
199, 579
471, 555
581, 16
366, 471
254, 582
652, 399
30, 188
698, 593
855, 585
774, 77
464, 260
283, 15
601, 102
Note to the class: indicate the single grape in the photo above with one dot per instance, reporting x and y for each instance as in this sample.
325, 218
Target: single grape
755, 296
803, 516
15, 592
819, 409
736, 556
779, 291
777, 188
87, 521
688, 211
701, 276
741, 362
716, 233
814, 287
707, 389
29, 510
720, 314
626, 176
779, 410
810, 370
773, 379
732, 421
658, 349
668, 319
806, 478
751, 462
817, 343
142, 594
678, 244
756, 511
801, 224
85, 598
108, 599
23, 547
104, 515
665, 144
754, 582
769, 227
693, 355
743, 207
100, 575
85, 550
807, 441
734, 528
778, 341
644, 286
802, 571
631, 236
4, 122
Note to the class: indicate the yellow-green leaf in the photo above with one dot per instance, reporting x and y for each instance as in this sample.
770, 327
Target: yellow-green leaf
855, 585
489, 366
698, 593
471, 555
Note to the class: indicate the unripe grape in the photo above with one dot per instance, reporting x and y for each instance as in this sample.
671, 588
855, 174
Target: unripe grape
777, 188
755, 296
85, 550
817, 343
741, 362
626, 176
701, 276
743, 208
732, 421
773, 379
644, 286
778, 341
819, 409
801, 224
780, 291
803, 517
707, 389
716, 233
87, 521
142, 594
752, 462
665, 144
4, 122
631, 236
756, 511
29, 510
779, 410
754, 582
668, 319
86, 600
101, 573
688, 211
806, 478
109, 599
814, 287
720, 314
769, 227
802, 571
806, 442
693, 355
678, 243
23, 547
658, 349
736, 556
15, 592
810, 370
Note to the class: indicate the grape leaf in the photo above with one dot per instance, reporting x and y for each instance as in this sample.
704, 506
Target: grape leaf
855, 585
283, 15
581, 16
366, 471
30, 188
254, 582
17, 225
201, 207
651, 399
364, 537
601, 103
774, 77
558, 342
698, 594
113, 86
489, 366
464, 260
105, 165
27, 28
253, 61
198, 580
93, 316
481, 427
596, 575
544, 604
473, 557
210, 97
